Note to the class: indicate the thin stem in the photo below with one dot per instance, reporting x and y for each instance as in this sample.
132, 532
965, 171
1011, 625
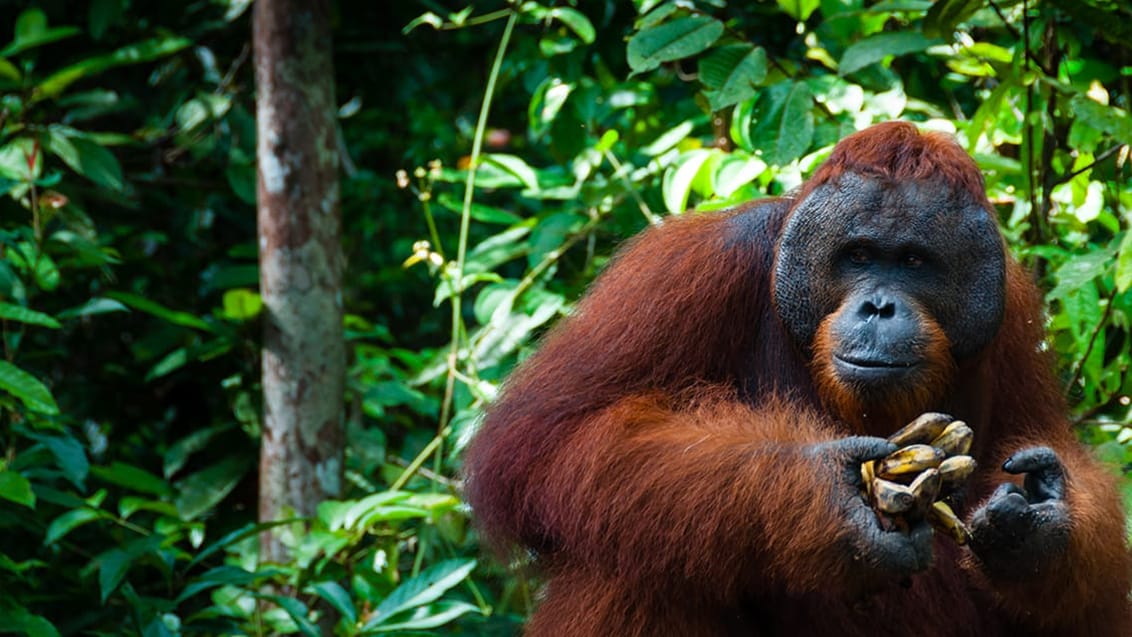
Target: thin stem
466, 220
415, 465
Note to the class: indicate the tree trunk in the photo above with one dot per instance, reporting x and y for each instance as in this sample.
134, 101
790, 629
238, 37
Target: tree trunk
300, 263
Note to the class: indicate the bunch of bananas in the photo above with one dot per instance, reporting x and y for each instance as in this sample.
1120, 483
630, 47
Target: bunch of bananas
919, 479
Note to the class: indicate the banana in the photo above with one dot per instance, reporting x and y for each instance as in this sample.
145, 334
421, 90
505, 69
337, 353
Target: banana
892, 497
921, 430
943, 519
955, 439
956, 469
906, 463
925, 488
868, 472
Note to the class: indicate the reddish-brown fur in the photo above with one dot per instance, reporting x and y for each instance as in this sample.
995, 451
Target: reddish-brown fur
650, 454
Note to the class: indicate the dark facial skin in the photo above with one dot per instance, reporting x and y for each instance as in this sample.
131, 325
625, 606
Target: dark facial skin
883, 257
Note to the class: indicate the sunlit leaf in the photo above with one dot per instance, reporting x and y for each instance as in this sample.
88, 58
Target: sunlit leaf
422, 589
800, 10
677, 183
784, 122
680, 38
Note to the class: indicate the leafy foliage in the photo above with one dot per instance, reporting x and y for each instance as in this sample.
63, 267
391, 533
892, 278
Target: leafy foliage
493, 158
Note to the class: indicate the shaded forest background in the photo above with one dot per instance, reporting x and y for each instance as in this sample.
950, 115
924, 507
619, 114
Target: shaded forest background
130, 314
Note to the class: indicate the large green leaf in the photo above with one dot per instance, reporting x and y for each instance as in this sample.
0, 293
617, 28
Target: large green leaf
783, 122
680, 38
1114, 121
85, 157
27, 388
874, 49
115, 563
422, 589
732, 73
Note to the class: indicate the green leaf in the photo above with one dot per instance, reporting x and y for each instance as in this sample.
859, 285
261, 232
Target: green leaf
338, 599
115, 563
516, 166
31, 31
669, 139
784, 122
1079, 271
94, 306
241, 304
875, 48
732, 72
735, 171
70, 456
69, 521
22, 314
203, 490
27, 388
677, 183
297, 611
480, 212
1124, 264
422, 589
800, 10
143, 304
547, 102
30, 23
1114, 121
16, 488
132, 478
85, 157
426, 617
8, 71
680, 38
945, 15
17, 620
145, 51
577, 22
103, 14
